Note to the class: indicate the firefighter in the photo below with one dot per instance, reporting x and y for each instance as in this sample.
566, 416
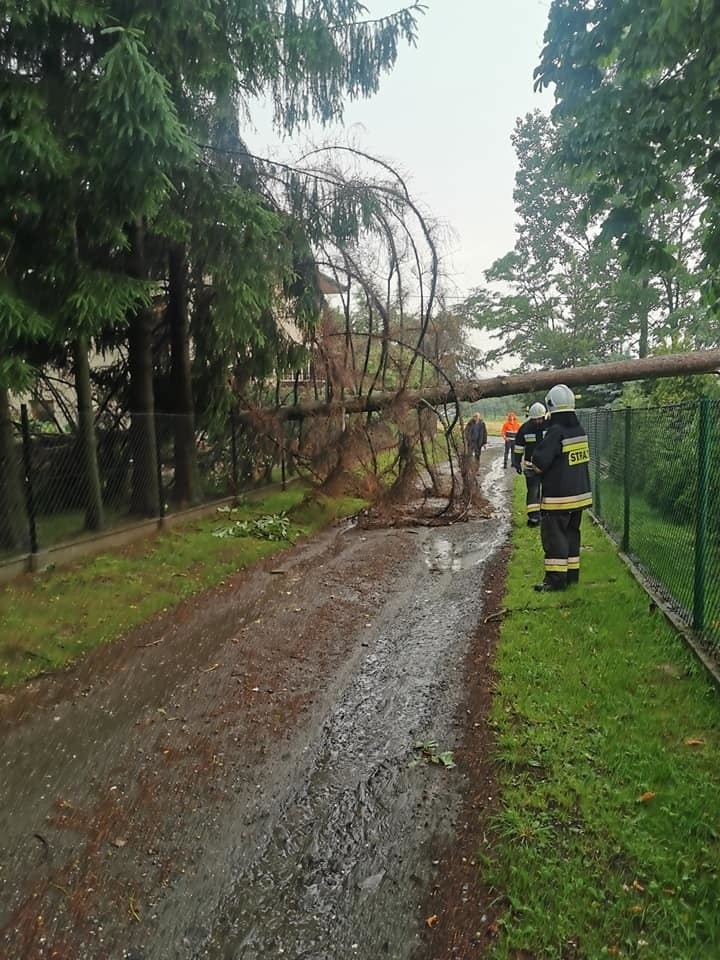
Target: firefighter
528, 437
562, 460
509, 431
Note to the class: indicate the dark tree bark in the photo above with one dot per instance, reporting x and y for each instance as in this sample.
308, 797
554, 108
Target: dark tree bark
185, 491
94, 515
13, 522
145, 494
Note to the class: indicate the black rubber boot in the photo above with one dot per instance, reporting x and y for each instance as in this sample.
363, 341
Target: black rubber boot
546, 587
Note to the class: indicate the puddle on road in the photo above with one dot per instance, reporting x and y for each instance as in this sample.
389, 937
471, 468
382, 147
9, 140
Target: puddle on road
444, 553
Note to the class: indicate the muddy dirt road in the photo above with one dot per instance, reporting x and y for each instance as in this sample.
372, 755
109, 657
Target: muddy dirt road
233, 780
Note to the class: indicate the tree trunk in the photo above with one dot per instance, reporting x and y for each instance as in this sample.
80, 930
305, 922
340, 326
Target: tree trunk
13, 523
185, 489
145, 493
672, 365
94, 516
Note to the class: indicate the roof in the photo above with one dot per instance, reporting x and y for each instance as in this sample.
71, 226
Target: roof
327, 285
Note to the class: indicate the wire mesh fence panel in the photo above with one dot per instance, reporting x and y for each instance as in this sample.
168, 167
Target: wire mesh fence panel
606, 434
663, 497
656, 486
83, 485
196, 465
707, 581
115, 466
58, 487
135, 467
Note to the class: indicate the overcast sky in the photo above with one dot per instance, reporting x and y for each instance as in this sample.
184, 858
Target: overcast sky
445, 115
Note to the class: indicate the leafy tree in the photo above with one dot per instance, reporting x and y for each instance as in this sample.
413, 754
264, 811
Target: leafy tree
563, 296
552, 300
638, 98
114, 119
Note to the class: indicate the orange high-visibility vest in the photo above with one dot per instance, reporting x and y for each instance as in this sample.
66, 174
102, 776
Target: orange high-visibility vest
510, 426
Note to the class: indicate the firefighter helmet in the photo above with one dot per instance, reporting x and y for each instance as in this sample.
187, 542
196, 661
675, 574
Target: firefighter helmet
536, 411
560, 398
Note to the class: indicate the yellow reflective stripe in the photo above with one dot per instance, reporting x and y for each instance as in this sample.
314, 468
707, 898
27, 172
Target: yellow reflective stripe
568, 503
551, 567
518, 449
576, 446
580, 505
533, 508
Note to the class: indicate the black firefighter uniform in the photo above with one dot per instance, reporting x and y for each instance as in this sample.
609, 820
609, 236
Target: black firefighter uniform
528, 437
563, 458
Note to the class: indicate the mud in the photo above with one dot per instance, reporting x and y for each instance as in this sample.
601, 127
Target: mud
234, 779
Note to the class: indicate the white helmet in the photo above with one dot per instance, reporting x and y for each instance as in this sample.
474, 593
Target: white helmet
560, 399
536, 411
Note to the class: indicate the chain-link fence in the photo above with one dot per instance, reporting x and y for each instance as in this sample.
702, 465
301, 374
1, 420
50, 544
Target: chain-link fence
57, 487
656, 489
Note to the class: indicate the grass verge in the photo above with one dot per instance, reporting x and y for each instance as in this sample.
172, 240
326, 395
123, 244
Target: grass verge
608, 840
52, 618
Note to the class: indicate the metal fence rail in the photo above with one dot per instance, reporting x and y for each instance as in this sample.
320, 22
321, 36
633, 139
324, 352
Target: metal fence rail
656, 489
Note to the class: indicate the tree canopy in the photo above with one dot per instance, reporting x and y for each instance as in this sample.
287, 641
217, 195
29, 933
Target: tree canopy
565, 295
637, 90
136, 222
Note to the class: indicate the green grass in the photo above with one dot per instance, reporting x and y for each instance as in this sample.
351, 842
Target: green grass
49, 620
53, 528
665, 548
608, 839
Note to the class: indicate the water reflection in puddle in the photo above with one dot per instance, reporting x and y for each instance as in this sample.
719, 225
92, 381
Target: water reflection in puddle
444, 555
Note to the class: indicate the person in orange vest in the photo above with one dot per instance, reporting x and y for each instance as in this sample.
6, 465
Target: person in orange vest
509, 431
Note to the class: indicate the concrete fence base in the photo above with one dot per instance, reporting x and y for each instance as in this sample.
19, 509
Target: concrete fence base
95, 543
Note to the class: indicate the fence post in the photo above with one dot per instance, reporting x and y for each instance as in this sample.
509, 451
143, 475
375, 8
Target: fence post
702, 505
596, 451
626, 481
29, 495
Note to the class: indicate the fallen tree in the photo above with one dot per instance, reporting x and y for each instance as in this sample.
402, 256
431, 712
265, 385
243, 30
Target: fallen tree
671, 365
